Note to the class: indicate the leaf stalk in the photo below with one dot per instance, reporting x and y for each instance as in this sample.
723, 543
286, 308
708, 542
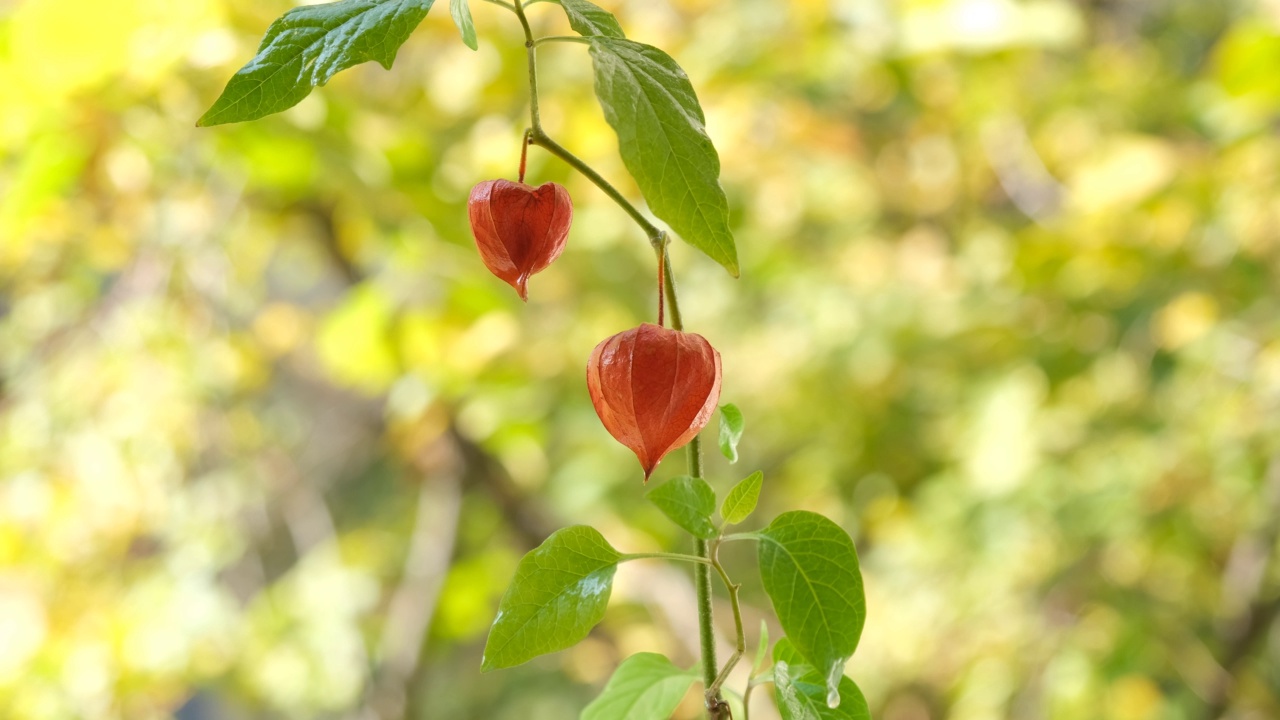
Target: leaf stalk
665, 556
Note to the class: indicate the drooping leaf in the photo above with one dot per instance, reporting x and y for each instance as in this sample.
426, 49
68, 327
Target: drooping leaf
646, 686
590, 19
559, 593
801, 693
689, 502
461, 13
731, 425
310, 44
741, 501
662, 136
810, 571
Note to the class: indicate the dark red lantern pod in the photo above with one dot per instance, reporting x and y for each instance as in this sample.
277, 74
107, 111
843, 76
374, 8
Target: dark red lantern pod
519, 229
654, 389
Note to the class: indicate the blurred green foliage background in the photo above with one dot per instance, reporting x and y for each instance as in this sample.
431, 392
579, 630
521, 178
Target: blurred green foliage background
272, 439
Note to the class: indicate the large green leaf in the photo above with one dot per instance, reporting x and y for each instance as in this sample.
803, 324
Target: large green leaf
310, 44
689, 502
559, 593
731, 426
460, 11
589, 19
801, 693
742, 499
810, 571
650, 104
646, 686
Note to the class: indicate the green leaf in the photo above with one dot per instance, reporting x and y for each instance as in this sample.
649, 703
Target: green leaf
801, 693
689, 502
810, 572
310, 44
461, 13
742, 499
559, 593
589, 19
731, 425
650, 104
646, 686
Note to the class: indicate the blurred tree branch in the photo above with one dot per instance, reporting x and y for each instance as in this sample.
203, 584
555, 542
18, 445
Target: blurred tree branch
413, 602
1244, 588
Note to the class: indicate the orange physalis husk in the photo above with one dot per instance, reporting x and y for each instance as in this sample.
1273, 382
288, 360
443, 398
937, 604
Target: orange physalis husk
519, 229
654, 389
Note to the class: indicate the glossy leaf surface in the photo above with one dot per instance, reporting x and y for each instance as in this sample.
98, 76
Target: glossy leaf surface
662, 136
689, 502
802, 693
559, 593
731, 426
646, 686
810, 571
741, 500
307, 46
590, 19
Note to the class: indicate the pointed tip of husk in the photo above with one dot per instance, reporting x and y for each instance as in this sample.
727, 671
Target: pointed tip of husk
522, 287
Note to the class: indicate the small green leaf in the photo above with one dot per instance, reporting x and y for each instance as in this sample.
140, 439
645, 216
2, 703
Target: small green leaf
689, 502
589, 19
310, 44
650, 104
559, 593
810, 571
646, 686
742, 499
762, 651
731, 424
461, 13
801, 693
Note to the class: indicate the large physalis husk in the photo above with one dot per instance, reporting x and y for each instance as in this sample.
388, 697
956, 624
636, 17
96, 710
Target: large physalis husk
519, 229
654, 389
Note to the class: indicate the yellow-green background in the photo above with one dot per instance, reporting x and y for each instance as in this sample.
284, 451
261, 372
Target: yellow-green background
1008, 313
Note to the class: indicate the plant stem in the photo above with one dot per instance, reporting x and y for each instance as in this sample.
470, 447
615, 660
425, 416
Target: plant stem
665, 556
533, 67
706, 629
542, 140
524, 153
741, 647
760, 679
562, 38
677, 320
504, 4
662, 281
716, 706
